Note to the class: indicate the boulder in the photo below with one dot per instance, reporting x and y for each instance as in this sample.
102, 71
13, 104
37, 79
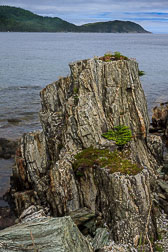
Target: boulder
45, 234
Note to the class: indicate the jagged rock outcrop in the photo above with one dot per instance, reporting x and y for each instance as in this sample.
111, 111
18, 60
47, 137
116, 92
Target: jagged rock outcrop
45, 234
76, 111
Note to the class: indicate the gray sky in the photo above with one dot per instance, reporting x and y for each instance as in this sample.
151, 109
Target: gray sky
151, 14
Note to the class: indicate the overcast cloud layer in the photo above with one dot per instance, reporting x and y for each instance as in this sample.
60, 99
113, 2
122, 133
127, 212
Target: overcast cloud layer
151, 14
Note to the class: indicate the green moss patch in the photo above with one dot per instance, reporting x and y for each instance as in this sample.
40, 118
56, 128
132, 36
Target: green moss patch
113, 161
113, 57
120, 134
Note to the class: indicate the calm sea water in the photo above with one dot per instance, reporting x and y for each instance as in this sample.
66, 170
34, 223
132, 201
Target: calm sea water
30, 61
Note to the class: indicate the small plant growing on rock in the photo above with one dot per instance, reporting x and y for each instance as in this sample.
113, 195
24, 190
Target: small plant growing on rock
75, 90
113, 57
75, 95
121, 135
76, 100
141, 73
117, 55
159, 248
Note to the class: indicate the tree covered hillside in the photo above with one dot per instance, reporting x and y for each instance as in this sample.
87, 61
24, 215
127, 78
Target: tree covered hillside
113, 27
20, 20
17, 19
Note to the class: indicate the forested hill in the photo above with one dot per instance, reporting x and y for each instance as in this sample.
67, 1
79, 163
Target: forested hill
19, 20
114, 26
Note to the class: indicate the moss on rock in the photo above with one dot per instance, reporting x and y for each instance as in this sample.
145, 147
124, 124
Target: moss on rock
113, 161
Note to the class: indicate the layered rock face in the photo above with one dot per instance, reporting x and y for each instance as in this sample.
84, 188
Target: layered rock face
76, 111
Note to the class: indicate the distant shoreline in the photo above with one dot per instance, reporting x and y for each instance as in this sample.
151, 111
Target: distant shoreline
80, 32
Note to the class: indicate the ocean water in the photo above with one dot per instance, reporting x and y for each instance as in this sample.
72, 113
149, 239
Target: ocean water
30, 61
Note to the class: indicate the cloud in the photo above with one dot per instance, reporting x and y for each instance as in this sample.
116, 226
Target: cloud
152, 13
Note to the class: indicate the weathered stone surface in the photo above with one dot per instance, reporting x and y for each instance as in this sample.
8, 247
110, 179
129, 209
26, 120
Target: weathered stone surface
76, 111
160, 116
160, 120
46, 234
86, 220
155, 145
123, 200
162, 194
162, 242
118, 248
163, 185
108, 94
101, 239
82, 215
30, 172
32, 213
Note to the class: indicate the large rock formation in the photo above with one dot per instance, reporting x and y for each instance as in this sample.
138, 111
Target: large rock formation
76, 111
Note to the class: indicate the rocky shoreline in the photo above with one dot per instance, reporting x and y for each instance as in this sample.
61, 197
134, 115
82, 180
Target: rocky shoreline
70, 175
7, 154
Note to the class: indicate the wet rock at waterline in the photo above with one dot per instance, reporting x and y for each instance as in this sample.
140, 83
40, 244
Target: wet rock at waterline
7, 217
14, 121
160, 116
76, 111
160, 120
7, 148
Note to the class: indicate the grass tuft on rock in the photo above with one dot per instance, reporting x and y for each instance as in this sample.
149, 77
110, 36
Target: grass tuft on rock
113, 57
113, 161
